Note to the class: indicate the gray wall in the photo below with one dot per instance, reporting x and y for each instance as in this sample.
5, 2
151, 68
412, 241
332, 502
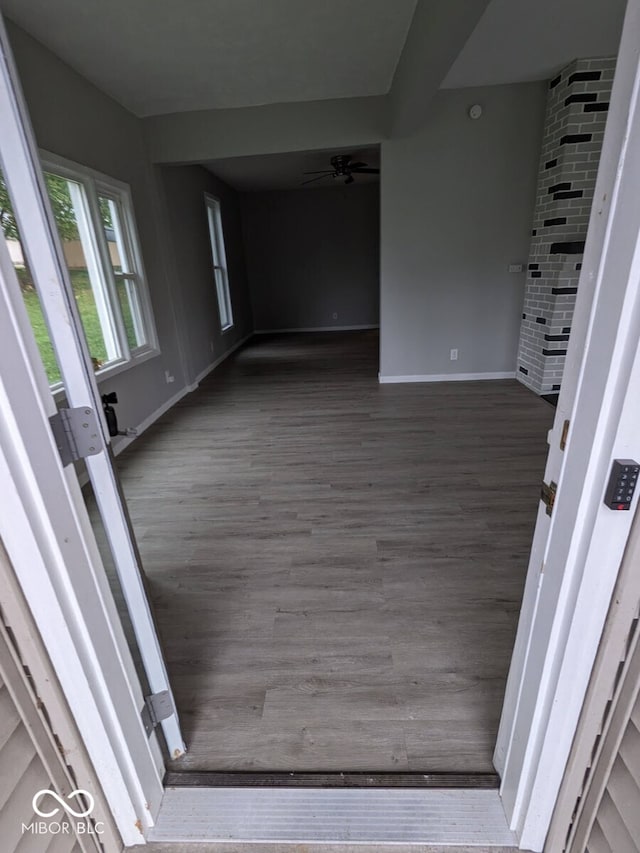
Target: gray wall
312, 253
457, 201
75, 120
184, 188
457, 198
271, 129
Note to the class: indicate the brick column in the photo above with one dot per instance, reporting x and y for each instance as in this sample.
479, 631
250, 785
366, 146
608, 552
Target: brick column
575, 119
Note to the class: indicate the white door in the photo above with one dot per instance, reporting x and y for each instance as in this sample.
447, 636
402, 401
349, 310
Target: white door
577, 549
21, 167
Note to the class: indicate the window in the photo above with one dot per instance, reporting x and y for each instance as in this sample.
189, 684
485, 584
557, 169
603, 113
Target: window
11, 235
219, 262
94, 217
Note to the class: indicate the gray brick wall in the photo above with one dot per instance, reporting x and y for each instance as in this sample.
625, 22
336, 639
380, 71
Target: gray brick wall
575, 119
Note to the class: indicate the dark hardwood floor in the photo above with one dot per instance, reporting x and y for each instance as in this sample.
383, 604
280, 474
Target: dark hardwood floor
337, 566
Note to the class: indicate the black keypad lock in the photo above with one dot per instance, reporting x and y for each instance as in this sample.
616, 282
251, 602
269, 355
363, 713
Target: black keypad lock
622, 484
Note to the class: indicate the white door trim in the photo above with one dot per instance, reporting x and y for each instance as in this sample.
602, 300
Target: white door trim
572, 573
23, 175
45, 528
57, 565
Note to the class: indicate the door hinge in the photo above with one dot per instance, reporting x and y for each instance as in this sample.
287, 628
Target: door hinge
77, 433
548, 495
563, 437
157, 707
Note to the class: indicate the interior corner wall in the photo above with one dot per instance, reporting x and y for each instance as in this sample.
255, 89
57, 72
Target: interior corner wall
457, 200
313, 257
183, 191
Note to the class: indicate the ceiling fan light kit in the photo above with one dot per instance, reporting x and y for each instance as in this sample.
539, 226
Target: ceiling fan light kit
342, 167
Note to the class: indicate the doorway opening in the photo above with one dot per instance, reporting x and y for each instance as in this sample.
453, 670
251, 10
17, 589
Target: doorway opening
337, 566
362, 443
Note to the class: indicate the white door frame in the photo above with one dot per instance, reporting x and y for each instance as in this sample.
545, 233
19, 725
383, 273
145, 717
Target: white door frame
44, 524
46, 534
23, 176
576, 558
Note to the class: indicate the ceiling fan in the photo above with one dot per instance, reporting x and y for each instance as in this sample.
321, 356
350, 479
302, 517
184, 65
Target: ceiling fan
342, 167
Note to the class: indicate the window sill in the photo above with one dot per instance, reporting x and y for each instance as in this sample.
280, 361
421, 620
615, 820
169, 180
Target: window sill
226, 329
113, 370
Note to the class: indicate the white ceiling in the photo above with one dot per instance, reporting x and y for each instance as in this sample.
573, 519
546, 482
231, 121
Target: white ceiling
161, 56
285, 171
521, 40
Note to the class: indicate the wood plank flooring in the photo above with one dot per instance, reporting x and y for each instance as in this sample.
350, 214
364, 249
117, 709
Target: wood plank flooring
337, 566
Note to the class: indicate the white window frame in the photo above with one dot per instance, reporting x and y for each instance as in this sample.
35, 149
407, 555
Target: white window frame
90, 227
219, 259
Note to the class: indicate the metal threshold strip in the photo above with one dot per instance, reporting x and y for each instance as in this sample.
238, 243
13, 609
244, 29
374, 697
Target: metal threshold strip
453, 817
315, 779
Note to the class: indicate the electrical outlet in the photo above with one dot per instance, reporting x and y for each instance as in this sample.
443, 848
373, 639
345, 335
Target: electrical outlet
516, 267
335, 315
168, 377
453, 355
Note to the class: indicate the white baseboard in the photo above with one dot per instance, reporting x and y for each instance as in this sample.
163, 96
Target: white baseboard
219, 360
445, 377
125, 441
314, 329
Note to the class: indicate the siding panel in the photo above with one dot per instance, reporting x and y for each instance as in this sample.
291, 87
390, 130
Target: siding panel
613, 826
630, 752
22, 768
9, 717
597, 842
617, 823
16, 755
18, 808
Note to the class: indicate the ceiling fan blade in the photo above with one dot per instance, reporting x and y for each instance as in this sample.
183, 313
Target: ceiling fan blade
319, 178
353, 166
320, 172
365, 171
